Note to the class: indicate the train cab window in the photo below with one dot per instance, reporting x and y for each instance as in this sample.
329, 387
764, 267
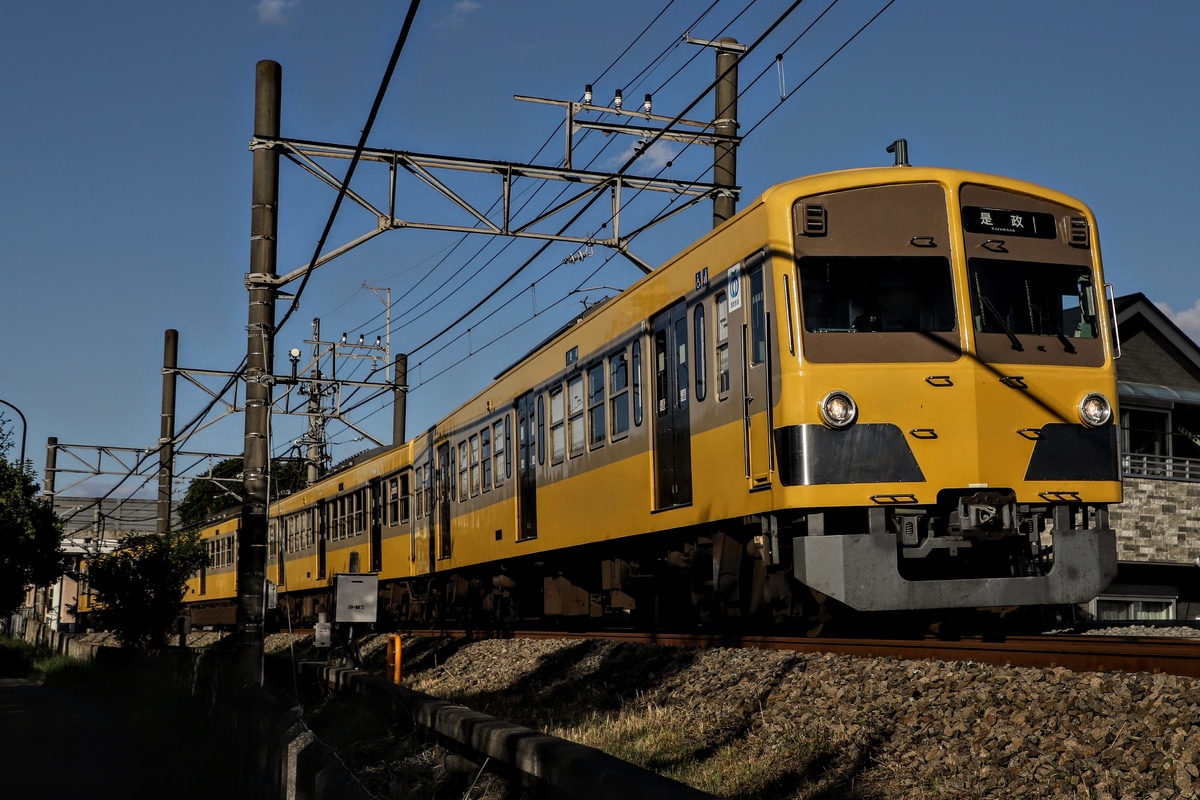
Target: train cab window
637, 383
485, 457
618, 378
700, 343
722, 365
856, 294
576, 437
463, 465
595, 404
558, 431
475, 471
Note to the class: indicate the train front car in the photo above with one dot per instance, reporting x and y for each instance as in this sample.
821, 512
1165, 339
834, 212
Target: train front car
945, 422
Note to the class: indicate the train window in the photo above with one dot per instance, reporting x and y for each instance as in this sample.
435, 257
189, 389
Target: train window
596, 429
637, 382
475, 479
660, 372
701, 349
463, 465
500, 451
404, 491
722, 346
1023, 298
758, 320
541, 429
681, 360
575, 433
558, 433
360, 512
485, 456
618, 372
393, 501
850, 294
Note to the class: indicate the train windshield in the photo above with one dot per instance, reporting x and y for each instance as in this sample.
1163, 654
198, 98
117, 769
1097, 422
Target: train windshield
1037, 299
1032, 307
879, 294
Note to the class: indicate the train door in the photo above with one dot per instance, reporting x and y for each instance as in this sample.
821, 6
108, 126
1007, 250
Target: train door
375, 490
756, 371
445, 491
429, 484
526, 468
322, 536
672, 424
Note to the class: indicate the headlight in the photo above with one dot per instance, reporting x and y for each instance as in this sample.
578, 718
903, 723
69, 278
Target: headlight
1095, 410
839, 410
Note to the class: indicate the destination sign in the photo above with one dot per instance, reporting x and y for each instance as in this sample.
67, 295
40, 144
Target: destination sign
1009, 222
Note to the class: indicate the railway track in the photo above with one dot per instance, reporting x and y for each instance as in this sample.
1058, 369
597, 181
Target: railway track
1174, 656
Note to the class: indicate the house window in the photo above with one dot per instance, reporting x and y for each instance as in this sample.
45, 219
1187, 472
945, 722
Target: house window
1146, 435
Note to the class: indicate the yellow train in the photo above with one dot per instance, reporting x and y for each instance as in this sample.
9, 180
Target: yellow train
889, 387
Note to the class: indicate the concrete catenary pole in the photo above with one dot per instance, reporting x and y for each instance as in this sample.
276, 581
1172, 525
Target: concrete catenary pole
166, 434
725, 124
400, 399
260, 358
51, 467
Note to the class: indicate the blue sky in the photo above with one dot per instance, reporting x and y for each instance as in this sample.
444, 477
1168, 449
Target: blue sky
125, 178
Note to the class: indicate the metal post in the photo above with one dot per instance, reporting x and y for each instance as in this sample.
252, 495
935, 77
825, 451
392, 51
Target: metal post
400, 399
51, 466
725, 124
316, 421
166, 435
24, 431
260, 357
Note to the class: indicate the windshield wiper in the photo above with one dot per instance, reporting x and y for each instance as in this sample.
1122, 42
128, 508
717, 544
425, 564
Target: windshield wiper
1012, 337
1066, 343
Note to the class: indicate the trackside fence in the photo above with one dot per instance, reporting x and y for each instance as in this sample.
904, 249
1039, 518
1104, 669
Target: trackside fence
553, 767
277, 756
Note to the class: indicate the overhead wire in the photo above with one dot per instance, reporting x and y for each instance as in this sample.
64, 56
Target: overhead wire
389, 71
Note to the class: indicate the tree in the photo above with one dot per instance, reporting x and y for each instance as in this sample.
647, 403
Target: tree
139, 587
30, 536
206, 497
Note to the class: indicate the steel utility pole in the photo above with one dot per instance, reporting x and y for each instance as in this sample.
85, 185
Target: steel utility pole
725, 125
260, 361
166, 434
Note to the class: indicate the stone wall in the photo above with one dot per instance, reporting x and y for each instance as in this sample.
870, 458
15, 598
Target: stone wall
1159, 521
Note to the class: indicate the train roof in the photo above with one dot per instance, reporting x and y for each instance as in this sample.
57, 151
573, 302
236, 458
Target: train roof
878, 176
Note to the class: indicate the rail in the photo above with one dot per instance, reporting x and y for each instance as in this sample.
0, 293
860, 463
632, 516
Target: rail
1154, 466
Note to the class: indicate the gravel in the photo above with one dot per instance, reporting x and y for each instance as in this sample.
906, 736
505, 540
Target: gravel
834, 726
809, 726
